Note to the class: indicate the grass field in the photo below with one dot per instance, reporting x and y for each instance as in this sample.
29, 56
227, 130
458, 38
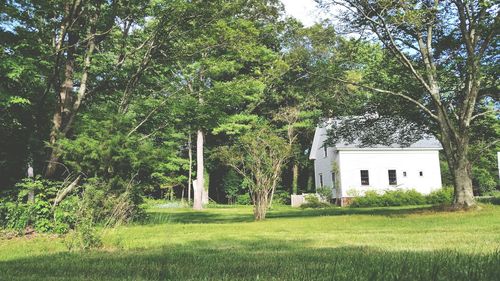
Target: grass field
405, 243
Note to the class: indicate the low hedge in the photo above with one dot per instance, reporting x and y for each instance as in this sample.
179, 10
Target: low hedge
401, 197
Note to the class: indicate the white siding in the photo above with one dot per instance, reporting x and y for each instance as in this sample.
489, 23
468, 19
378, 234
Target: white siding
323, 165
378, 162
349, 161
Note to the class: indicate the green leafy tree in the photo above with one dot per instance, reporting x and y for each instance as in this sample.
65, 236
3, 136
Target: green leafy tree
445, 49
258, 156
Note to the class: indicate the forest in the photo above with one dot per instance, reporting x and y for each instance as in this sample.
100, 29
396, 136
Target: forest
105, 104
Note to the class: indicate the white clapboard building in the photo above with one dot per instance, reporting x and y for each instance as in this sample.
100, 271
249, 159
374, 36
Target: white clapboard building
351, 169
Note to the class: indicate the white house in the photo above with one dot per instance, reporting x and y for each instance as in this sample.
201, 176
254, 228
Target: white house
351, 169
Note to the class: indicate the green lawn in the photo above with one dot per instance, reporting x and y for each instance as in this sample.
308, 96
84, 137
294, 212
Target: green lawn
406, 243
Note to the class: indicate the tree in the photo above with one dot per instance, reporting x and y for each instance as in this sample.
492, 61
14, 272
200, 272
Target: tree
258, 156
223, 69
294, 121
445, 48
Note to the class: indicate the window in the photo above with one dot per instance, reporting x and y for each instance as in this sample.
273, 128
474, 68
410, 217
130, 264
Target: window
365, 179
333, 179
404, 174
421, 173
321, 180
392, 177
326, 151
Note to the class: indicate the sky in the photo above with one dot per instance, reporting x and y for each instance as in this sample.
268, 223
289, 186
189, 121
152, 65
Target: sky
304, 10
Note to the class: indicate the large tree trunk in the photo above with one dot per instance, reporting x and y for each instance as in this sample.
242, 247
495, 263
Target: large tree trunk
464, 197
455, 147
200, 181
462, 181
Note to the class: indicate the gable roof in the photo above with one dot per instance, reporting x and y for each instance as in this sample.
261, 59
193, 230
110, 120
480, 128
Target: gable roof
427, 142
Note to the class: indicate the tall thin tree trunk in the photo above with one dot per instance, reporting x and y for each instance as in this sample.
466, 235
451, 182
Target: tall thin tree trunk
63, 106
295, 178
50, 169
199, 186
190, 179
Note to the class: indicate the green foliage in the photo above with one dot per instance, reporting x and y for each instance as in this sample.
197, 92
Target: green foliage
401, 197
326, 193
104, 205
96, 204
258, 156
495, 200
243, 199
15, 216
84, 237
441, 196
483, 179
281, 197
312, 201
17, 213
233, 186
389, 198
117, 160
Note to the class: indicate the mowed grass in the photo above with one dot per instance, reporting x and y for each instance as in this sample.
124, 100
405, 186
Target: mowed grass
404, 243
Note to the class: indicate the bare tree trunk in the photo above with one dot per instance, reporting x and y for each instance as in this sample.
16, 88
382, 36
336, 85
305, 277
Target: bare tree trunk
462, 180
63, 105
456, 148
464, 197
199, 186
190, 179
204, 191
260, 204
295, 178
50, 170
63, 193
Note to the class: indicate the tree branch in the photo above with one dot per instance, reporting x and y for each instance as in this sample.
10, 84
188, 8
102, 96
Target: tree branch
417, 103
484, 113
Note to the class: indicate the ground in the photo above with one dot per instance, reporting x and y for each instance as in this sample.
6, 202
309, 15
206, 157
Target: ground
404, 243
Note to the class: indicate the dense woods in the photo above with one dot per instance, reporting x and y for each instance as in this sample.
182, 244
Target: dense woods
110, 102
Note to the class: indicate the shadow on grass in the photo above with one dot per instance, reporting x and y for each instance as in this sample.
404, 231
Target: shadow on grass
257, 259
207, 216
216, 216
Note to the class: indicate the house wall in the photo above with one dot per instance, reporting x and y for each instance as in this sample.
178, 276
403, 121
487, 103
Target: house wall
378, 162
324, 166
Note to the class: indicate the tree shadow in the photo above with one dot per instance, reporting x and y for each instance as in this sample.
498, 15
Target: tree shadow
338, 211
215, 216
196, 217
254, 259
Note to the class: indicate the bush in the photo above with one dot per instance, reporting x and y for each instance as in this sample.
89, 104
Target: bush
397, 197
492, 197
312, 201
441, 196
17, 216
97, 202
325, 193
84, 237
281, 197
232, 184
16, 213
243, 199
